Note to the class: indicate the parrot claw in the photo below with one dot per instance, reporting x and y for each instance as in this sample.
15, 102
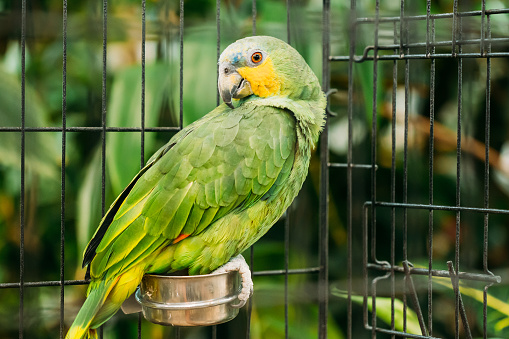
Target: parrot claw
239, 264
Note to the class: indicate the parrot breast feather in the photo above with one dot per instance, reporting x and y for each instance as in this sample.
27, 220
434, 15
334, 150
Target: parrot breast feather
224, 163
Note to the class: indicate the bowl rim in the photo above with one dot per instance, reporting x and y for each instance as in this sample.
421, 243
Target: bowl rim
198, 276
187, 305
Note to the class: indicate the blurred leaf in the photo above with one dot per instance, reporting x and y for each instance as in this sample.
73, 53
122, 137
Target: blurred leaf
89, 203
269, 301
11, 62
495, 303
42, 154
502, 324
200, 86
383, 311
124, 110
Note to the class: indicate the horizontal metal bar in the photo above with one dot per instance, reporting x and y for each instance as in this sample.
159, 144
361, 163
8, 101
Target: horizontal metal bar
438, 273
398, 333
432, 16
282, 272
445, 43
44, 283
438, 207
84, 282
89, 129
421, 56
343, 165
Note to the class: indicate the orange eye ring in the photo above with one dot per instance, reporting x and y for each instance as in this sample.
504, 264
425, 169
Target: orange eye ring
256, 57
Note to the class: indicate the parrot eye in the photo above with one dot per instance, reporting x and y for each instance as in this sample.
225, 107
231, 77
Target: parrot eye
256, 57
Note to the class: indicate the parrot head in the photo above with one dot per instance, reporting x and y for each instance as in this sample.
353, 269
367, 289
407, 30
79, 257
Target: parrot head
263, 66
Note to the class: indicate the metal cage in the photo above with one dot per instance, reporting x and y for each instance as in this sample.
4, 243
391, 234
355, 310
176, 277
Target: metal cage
379, 209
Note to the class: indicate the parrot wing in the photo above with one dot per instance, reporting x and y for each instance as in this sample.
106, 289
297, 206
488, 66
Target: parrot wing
223, 163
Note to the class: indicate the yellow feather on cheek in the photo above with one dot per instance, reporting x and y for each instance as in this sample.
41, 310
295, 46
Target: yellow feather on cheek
263, 79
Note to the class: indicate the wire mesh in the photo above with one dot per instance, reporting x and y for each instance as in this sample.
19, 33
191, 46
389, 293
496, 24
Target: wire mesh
104, 131
405, 47
400, 49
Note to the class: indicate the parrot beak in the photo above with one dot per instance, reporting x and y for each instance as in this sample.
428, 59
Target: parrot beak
232, 85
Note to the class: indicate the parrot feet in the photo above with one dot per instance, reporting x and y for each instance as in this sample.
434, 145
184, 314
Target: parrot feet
239, 264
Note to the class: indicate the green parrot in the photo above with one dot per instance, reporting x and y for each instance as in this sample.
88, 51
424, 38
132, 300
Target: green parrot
217, 186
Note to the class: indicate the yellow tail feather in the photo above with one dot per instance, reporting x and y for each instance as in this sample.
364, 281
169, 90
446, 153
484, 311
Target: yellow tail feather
103, 301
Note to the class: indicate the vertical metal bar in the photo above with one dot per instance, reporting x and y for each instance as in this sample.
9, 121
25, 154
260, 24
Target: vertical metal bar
143, 39
181, 82
103, 119
413, 297
428, 18
250, 301
393, 182
373, 307
62, 193
140, 317
142, 146
251, 259
457, 28
404, 36
486, 178
431, 164
454, 26
349, 160
455, 285
373, 302
103, 107
181, 72
374, 131
22, 171
365, 254
483, 29
288, 211
218, 53
323, 276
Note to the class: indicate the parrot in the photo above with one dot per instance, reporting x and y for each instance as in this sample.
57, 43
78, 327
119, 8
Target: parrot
217, 186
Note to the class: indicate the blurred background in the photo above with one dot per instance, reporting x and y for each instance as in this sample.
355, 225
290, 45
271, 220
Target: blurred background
84, 201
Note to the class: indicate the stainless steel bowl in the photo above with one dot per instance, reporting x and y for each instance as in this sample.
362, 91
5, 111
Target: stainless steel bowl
199, 300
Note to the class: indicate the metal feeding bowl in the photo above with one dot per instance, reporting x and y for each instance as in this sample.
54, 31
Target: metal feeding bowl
200, 300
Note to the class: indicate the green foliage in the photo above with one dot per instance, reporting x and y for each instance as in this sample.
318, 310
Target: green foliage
123, 154
124, 107
384, 308
498, 315
42, 151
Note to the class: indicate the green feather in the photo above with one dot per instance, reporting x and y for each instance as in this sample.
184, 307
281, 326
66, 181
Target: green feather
206, 219
242, 183
224, 136
193, 220
202, 151
162, 219
181, 217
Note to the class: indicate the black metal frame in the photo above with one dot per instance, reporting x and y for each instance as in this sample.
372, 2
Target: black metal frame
402, 53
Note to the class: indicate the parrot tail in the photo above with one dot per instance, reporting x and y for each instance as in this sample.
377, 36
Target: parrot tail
97, 293
104, 299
